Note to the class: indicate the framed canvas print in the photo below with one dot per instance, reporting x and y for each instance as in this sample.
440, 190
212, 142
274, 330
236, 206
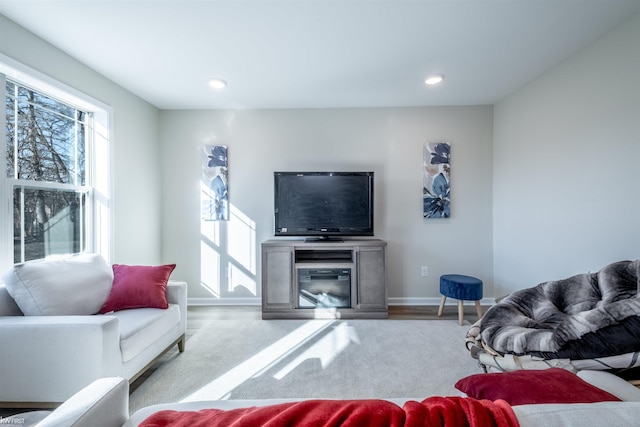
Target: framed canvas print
436, 174
215, 197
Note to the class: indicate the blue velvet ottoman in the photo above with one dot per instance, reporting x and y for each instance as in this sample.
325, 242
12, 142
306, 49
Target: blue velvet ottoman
462, 288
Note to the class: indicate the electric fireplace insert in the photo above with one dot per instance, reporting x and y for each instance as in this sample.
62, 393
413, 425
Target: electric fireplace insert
324, 288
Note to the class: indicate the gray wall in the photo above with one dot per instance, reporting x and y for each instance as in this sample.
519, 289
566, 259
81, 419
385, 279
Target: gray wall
566, 178
388, 141
136, 191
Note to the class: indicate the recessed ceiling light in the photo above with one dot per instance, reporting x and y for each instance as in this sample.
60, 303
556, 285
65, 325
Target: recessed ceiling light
217, 83
434, 79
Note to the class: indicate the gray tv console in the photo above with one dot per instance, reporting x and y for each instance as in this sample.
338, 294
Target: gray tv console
311, 280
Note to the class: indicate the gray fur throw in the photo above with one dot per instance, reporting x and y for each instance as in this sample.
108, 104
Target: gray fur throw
549, 316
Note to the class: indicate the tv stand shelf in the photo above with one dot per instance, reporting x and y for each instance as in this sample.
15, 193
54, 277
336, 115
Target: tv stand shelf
289, 265
323, 255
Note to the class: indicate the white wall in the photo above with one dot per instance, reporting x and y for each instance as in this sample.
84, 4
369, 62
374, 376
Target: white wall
136, 190
386, 141
567, 166
544, 185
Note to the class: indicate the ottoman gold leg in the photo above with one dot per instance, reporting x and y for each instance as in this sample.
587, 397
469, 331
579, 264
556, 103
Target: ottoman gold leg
460, 312
478, 309
442, 301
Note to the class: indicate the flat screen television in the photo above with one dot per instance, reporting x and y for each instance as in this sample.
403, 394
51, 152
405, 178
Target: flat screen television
323, 205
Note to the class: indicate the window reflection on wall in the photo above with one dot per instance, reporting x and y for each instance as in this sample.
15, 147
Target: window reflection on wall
228, 256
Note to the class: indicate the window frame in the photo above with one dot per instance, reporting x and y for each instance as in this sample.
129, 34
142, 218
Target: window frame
98, 177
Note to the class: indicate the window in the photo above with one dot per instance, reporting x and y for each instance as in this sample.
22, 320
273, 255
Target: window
55, 196
45, 156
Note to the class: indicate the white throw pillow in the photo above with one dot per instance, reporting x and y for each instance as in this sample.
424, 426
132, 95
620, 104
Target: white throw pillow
74, 285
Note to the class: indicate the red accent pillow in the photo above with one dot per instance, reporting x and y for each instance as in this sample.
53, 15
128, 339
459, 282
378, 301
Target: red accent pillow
138, 286
553, 385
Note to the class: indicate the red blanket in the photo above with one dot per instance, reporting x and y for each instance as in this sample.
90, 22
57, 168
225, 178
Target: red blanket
431, 412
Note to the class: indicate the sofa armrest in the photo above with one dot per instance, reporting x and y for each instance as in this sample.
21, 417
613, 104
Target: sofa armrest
8, 306
177, 294
103, 403
62, 353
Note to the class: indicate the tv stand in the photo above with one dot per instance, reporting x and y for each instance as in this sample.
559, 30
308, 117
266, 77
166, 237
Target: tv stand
324, 279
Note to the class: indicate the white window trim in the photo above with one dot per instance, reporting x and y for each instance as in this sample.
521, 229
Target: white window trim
99, 241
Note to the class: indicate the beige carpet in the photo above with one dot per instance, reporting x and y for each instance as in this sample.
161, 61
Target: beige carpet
254, 359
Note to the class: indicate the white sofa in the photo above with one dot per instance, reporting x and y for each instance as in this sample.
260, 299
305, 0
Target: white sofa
105, 403
45, 359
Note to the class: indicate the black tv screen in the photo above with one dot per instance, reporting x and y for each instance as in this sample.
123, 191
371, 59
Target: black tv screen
323, 204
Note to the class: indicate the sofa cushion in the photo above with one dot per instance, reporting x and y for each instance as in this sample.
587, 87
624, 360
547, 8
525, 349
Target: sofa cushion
143, 327
554, 385
611, 383
599, 414
72, 285
138, 286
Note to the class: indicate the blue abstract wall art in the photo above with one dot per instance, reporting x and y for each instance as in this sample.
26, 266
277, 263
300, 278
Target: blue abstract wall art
436, 174
215, 196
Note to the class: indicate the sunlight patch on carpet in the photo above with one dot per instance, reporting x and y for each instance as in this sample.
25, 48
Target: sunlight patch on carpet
326, 349
221, 387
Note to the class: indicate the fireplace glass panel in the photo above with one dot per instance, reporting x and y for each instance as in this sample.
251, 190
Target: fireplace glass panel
324, 288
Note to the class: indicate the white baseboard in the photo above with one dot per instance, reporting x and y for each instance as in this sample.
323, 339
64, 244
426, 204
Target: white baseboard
391, 301
433, 301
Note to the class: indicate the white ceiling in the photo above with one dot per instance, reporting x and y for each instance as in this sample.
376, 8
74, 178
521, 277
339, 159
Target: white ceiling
319, 53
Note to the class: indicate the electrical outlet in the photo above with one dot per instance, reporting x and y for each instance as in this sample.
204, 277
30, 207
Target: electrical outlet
425, 272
